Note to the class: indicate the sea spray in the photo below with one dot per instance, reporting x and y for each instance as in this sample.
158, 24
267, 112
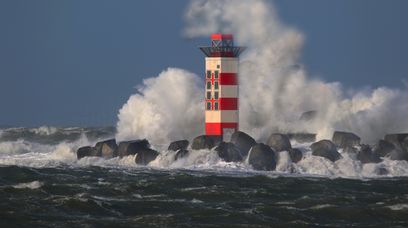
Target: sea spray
274, 87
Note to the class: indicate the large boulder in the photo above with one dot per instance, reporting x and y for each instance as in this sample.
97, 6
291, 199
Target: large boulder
366, 155
383, 148
242, 141
302, 137
279, 142
396, 139
205, 142
229, 152
262, 157
295, 155
106, 149
145, 156
131, 147
178, 145
86, 151
398, 154
345, 139
326, 149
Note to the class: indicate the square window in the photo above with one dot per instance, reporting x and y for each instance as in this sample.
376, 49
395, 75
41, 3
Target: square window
215, 105
208, 85
218, 66
208, 105
215, 95
216, 74
208, 95
209, 74
215, 85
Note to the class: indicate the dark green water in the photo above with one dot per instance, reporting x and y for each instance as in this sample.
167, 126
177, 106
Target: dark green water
103, 197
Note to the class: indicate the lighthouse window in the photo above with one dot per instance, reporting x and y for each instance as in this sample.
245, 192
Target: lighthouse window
209, 85
208, 73
215, 85
215, 95
218, 66
216, 74
208, 95
208, 105
215, 105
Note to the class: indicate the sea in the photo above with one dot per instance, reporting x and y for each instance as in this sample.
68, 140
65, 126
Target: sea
42, 184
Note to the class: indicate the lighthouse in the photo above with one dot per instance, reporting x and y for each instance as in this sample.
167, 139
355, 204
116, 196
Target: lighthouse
221, 86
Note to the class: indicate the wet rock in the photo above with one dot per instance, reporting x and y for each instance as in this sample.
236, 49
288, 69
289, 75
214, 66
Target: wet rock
366, 155
205, 142
295, 155
145, 156
262, 157
243, 142
86, 151
229, 152
396, 139
302, 137
106, 149
132, 147
181, 154
345, 139
326, 149
178, 145
279, 142
398, 154
383, 148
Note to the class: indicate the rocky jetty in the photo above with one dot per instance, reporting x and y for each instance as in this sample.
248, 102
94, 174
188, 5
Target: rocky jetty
205, 142
279, 142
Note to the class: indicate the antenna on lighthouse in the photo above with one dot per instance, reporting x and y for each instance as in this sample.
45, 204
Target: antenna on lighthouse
221, 86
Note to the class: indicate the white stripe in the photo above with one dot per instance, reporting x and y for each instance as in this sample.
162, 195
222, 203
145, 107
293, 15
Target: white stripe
229, 91
224, 116
227, 64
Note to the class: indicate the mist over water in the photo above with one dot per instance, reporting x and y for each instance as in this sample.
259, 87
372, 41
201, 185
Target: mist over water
274, 87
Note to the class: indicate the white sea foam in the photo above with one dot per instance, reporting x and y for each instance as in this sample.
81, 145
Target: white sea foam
30, 185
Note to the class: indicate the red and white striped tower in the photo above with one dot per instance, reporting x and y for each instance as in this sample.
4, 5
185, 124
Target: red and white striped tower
221, 86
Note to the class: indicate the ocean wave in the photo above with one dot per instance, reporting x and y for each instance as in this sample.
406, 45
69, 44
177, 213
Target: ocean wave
29, 185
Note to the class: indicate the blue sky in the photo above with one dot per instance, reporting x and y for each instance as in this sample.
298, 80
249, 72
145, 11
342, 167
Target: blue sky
75, 63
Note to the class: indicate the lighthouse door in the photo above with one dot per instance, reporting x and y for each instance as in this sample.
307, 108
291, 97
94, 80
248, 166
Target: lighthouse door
227, 133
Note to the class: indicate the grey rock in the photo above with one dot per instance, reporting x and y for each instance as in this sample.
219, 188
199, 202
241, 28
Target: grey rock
326, 149
262, 157
229, 152
131, 147
86, 151
242, 141
345, 139
398, 154
279, 142
396, 139
106, 149
302, 137
366, 155
205, 142
145, 156
181, 154
295, 155
383, 148
178, 145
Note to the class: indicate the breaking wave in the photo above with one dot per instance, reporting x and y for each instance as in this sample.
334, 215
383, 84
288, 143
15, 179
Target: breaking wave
23, 152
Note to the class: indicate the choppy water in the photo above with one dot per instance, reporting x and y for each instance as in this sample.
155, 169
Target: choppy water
42, 184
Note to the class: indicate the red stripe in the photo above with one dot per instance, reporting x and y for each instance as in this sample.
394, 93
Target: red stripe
216, 128
218, 36
228, 103
228, 79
